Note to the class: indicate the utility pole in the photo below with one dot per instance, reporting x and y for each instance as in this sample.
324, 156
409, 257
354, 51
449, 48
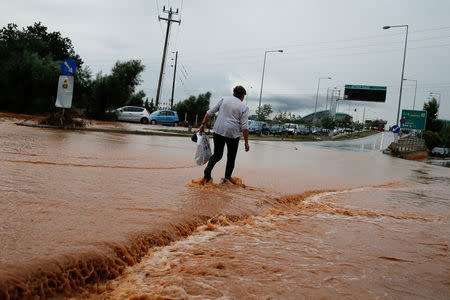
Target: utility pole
364, 115
174, 75
317, 97
169, 20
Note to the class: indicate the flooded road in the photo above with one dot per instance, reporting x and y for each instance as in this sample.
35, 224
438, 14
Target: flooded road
314, 220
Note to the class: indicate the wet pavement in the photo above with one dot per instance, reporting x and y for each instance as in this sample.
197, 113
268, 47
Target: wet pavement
313, 219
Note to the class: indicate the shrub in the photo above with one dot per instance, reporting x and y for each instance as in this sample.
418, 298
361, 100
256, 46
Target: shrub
432, 139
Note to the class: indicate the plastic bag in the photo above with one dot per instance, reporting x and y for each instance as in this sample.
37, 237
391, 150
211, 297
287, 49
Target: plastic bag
203, 152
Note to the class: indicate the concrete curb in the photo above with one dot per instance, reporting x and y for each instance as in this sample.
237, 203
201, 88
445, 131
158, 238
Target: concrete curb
155, 132
123, 131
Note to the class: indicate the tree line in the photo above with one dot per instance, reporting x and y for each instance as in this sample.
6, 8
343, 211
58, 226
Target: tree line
437, 132
30, 60
30, 63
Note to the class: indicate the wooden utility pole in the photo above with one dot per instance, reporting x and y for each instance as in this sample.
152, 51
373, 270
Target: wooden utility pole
169, 20
174, 75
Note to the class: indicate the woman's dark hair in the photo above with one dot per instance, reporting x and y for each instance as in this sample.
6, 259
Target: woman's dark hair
239, 91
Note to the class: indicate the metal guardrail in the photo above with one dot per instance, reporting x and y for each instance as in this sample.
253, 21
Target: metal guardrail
407, 145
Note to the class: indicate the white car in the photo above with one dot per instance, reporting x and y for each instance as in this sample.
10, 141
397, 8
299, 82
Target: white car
440, 151
133, 114
291, 128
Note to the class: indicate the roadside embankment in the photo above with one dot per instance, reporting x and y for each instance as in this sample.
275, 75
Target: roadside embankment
146, 129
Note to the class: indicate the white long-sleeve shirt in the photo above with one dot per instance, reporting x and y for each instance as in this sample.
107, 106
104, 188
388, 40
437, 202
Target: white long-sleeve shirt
232, 117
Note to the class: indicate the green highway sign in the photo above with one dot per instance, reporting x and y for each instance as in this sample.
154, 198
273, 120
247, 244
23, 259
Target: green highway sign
366, 87
413, 119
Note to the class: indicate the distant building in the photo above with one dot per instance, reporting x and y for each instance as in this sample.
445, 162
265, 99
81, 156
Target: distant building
322, 114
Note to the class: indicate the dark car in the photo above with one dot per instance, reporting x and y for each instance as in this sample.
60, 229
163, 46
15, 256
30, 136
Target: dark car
256, 127
303, 130
278, 129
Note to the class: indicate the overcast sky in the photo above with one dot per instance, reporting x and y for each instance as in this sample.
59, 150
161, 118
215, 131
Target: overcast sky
222, 43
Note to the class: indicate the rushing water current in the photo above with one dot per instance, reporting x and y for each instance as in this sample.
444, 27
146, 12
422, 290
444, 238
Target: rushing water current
115, 216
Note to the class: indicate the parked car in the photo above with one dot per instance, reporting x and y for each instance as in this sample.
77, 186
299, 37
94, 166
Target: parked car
132, 114
337, 131
316, 130
291, 128
303, 130
167, 117
256, 127
278, 129
439, 151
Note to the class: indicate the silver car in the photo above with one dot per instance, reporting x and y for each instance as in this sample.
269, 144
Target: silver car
440, 151
291, 128
133, 114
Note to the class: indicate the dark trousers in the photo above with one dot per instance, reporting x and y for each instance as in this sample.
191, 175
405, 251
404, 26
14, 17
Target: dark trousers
219, 144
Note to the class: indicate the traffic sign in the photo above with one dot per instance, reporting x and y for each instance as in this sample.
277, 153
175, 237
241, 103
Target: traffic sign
402, 121
365, 87
68, 67
65, 92
368, 93
414, 119
395, 129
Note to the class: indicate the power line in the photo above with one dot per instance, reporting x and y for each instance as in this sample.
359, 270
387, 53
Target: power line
240, 56
157, 9
370, 37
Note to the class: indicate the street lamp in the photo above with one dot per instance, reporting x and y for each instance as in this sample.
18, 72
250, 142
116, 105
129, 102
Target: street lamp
403, 68
415, 91
262, 82
317, 97
328, 95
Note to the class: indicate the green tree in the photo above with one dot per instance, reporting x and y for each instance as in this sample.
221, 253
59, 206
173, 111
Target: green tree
445, 134
30, 60
346, 122
328, 123
265, 112
193, 106
432, 139
286, 117
136, 99
281, 117
307, 123
432, 108
117, 89
151, 106
358, 126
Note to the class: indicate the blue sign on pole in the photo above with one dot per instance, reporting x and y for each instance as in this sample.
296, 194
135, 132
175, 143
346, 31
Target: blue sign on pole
395, 129
68, 67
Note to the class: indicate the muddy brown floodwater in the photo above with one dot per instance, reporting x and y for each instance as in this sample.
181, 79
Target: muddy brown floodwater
114, 216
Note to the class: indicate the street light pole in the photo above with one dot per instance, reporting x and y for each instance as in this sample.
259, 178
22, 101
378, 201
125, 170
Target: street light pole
317, 97
328, 97
403, 69
415, 91
262, 82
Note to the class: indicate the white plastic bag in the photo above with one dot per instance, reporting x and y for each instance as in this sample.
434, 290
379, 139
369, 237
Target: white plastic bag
203, 152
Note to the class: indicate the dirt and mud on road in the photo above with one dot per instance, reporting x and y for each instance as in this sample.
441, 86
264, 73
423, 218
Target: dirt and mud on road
114, 216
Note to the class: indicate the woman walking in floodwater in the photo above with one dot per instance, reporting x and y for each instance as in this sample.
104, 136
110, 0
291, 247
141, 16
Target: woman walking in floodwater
232, 119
